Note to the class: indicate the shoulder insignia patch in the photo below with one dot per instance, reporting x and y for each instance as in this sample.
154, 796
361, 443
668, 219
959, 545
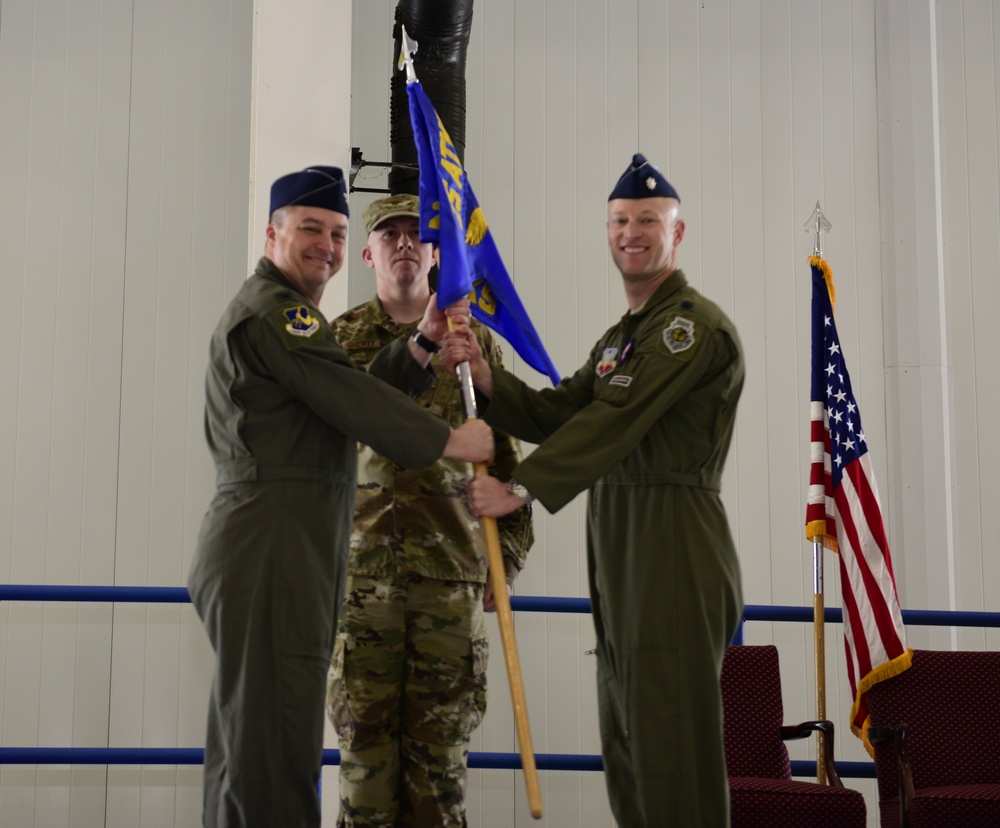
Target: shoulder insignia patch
300, 322
678, 336
608, 363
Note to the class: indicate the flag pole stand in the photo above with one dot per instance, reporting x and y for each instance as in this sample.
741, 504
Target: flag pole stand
498, 581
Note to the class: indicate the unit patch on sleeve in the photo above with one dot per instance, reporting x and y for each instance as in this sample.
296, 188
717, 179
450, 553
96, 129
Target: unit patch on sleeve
300, 322
298, 326
678, 336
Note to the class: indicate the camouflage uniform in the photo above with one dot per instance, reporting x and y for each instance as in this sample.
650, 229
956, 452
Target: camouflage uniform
408, 681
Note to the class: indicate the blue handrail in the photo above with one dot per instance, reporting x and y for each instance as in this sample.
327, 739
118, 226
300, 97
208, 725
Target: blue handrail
195, 756
522, 603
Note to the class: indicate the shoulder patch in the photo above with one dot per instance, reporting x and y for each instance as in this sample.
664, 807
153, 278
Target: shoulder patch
300, 321
298, 325
679, 335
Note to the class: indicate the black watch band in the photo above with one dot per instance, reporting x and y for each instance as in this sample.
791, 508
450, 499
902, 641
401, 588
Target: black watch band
428, 345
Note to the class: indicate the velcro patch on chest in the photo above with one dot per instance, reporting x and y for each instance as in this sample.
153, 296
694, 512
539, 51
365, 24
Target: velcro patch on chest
679, 335
608, 362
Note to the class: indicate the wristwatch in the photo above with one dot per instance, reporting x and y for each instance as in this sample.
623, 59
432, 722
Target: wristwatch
519, 491
428, 345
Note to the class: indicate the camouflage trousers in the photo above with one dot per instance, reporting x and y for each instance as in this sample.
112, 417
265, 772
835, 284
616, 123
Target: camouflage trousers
407, 688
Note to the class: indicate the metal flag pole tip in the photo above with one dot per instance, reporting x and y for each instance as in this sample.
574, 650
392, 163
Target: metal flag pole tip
407, 50
817, 223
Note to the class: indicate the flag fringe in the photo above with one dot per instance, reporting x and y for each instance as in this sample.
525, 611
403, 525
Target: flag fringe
816, 531
898, 665
823, 267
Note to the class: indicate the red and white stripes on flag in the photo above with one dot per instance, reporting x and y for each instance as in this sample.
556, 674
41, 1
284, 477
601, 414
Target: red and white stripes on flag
843, 512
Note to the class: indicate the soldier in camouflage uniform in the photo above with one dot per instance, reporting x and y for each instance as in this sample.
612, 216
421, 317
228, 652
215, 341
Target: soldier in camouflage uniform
408, 680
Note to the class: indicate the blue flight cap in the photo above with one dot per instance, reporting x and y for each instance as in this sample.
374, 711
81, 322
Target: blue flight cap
312, 187
642, 180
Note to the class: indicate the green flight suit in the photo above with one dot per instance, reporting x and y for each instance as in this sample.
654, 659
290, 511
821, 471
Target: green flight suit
285, 409
646, 424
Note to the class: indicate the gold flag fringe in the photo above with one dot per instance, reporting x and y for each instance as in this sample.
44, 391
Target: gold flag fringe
881, 673
824, 268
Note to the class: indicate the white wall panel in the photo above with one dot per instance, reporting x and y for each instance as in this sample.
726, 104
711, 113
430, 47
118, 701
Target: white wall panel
129, 118
969, 126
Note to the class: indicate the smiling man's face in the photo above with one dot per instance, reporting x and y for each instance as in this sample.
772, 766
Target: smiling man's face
643, 235
307, 244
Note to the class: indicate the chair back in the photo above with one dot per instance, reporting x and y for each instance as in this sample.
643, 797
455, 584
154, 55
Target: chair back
951, 701
752, 713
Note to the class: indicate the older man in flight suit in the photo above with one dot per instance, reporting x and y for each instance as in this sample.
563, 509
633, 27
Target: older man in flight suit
285, 409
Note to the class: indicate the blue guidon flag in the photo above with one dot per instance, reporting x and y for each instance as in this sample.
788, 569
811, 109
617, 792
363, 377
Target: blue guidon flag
470, 264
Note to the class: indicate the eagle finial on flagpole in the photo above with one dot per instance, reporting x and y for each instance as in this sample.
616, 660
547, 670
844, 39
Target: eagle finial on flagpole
817, 223
407, 50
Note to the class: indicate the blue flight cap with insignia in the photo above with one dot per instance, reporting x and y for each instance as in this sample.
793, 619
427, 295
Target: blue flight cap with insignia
312, 187
642, 180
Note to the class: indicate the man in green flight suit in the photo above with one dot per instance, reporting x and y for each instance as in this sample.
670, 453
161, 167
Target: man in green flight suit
645, 426
285, 409
408, 680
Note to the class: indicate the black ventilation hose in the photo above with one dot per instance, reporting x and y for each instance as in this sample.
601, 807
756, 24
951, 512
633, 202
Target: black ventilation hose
441, 29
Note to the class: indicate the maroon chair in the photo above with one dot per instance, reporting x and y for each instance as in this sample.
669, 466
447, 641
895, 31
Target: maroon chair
761, 789
936, 733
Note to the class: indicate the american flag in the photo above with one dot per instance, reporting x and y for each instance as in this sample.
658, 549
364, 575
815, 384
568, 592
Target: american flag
843, 512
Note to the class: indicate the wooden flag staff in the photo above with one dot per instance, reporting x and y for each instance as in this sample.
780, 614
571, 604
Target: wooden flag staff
493, 554
498, 581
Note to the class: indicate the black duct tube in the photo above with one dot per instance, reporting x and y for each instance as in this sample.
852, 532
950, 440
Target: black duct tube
441, 30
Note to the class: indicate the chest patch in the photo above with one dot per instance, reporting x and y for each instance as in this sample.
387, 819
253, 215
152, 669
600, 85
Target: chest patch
301, 322
608, 363
621, 380
678, 336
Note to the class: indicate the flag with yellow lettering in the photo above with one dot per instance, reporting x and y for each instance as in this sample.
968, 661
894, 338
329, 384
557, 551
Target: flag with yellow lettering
470, 264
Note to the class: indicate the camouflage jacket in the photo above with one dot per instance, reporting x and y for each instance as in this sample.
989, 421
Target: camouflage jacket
416, 520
